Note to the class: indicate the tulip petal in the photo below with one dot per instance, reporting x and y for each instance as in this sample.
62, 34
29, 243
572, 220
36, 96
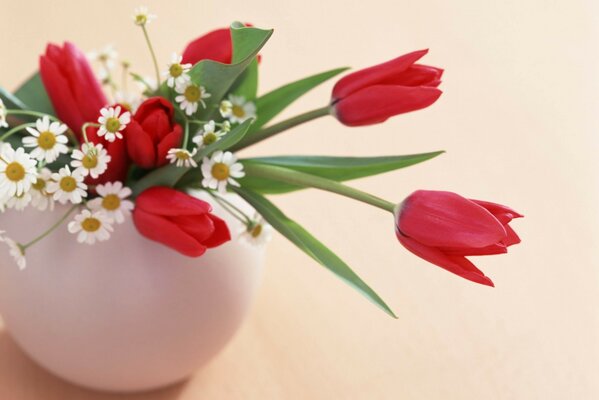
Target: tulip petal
446, 219
374, 75
221, 232
472, 251
162, 230
161, 200
498, 209
216, 45
140, 146
170, 141
376, 104
512, 237
149, 106
416, 75
200, 227
455, 264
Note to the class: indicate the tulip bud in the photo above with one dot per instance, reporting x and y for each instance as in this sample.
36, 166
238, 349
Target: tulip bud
443, 228
216, 45
179, 221
372, 95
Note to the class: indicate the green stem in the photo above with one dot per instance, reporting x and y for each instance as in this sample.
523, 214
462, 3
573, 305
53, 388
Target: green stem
231, 208
84, 130
306, 180
49, 230
145, 31
15, 130
265, 133
32, 113
186, 134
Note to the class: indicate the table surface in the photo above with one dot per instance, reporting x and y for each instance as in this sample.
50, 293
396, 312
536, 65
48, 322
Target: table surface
518, 121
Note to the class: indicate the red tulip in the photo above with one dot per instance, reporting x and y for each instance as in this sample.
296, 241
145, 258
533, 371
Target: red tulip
443, 228
179, 221
216, 45
152, 133
372, 95
75, 92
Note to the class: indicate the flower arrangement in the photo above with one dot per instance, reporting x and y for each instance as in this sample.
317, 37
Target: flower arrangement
125, 155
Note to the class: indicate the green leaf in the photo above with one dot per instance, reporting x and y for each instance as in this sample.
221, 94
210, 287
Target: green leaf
219, 78
311, 246
33, 93
170, 175
12, 101
271, 104
335, 168
247, 84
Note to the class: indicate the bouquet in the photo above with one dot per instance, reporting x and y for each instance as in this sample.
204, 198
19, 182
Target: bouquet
89, 141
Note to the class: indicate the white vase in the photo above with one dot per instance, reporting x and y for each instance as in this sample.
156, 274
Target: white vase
128, 314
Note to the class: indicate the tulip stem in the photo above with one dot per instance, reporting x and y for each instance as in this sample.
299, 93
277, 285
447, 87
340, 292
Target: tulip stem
307, 180
154, 60
49, 230
272, 130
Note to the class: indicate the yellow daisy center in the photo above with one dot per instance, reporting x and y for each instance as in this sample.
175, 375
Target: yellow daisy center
256, 231
209, 138
238, 111
39, 185
91, 224
220, 171
192, 93
46, 140
141, 19
68, 184
89, 161
182, 155
15, 171
113, 124
111, 202
175, 70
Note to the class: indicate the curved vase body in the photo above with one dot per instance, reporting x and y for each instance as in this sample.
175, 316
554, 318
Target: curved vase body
127, 314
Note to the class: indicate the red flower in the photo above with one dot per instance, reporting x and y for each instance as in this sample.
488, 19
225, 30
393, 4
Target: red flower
443, 228
372, 95
71, 85
152, 132
179, 221
216, 45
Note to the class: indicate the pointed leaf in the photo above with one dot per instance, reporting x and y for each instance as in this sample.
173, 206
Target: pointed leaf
33, 93
335, 168
311, 246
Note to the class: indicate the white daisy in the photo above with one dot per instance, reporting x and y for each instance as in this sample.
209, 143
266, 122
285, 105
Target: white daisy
112, 122
47, 139
67, 186
107, 56
91, 160
91, 226
3, 123
220, 169
129, 100
176, 72
17, 171
257, 232
113, 201
225, 108
16, 250
208, 135
141, 16
182, 157
40, 198
190, 95
240, 109
19, 202
225, 126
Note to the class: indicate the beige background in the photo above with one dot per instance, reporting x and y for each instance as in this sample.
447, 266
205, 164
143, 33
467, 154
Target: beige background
519, 122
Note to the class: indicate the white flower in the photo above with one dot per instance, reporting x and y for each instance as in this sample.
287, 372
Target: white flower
15, 249
141, 16
220, 169
67, 186
107, 56
225, 108
208, 135
3, 123
17, 171
113, 201
182, 157
190, 95
91, 160
40, 198
129, 100
19, 202
91, 227
176, 72
257, 232
240, 109
112, 122
48, 140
